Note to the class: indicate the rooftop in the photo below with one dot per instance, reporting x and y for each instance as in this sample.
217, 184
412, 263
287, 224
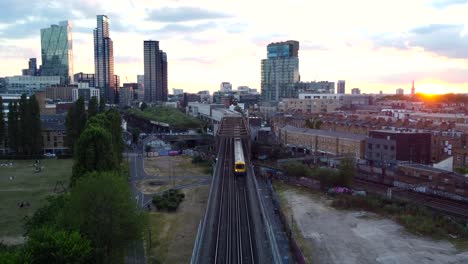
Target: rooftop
321, 132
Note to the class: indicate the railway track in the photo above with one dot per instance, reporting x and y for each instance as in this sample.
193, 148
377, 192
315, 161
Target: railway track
234, 241
452, 207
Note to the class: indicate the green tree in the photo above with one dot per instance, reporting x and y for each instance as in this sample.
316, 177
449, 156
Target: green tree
101, 207
94, 152
93, 107
49, 245
143, 106
296, 169
75, 122
34, 132
12, 255
47, 214
110, 121
24, 120
347, 171
327, 177
102, 105
13, 126
135, 135
116, 131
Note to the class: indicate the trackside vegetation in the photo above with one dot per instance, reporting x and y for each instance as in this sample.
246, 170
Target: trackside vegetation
171, 116
414, 218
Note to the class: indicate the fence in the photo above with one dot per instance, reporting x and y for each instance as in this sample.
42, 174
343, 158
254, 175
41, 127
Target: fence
295, 250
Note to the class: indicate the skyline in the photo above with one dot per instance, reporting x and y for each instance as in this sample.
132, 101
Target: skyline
373, 46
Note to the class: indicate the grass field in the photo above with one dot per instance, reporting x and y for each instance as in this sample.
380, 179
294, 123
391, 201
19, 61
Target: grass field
178, 165
173, 234
27, 186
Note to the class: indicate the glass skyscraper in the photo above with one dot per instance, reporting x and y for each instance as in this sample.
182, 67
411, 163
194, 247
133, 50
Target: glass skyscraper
280, 71
155, 77
57, 51
104, 60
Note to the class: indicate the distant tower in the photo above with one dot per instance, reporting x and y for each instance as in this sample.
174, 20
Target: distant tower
341, 87
412, 89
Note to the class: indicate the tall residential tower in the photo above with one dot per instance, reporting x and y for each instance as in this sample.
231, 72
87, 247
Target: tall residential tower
57, 51
104, 60
155, 77
341, 87
280, 71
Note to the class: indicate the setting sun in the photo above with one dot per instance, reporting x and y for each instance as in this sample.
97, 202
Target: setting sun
431, 87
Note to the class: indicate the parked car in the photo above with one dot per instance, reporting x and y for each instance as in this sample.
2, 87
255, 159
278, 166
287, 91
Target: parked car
50, 155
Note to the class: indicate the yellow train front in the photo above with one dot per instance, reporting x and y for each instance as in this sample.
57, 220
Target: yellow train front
239, 161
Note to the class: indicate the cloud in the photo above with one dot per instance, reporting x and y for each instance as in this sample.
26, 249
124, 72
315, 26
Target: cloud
181, 14
128, 60
181, 28
202, 60
15, 52
312, 47
440, 4
442, 39
25, 18
453, 75
236, 28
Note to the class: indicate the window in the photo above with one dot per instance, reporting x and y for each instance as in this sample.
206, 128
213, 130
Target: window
378, 146
392, 147
369, 145
385, 147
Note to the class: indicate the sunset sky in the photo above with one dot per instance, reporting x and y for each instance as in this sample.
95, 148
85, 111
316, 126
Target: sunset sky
373, 45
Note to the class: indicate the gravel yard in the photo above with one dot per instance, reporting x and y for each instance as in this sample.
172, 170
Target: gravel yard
349, 237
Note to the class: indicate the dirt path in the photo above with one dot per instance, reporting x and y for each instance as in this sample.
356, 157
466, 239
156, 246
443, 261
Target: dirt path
361, 237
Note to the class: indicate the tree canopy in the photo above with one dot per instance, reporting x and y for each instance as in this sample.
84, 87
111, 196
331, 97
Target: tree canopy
93, 107
49, 245
171, 116
94, 152
75, 122
24, 126
101, 207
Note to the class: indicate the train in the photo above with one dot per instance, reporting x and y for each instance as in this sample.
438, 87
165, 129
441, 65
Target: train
239, 160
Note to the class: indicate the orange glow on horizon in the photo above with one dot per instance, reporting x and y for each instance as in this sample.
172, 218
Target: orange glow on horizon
431, 87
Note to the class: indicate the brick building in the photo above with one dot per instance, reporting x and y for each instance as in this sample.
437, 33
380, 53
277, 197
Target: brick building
308, 105
460, 154
53, 134
322, 141
387, 148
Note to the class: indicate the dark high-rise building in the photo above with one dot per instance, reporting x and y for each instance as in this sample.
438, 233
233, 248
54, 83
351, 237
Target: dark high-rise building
32, 66
104, 60
57, 52
85, 78
155, 77
280, 71
341, 87
164, 75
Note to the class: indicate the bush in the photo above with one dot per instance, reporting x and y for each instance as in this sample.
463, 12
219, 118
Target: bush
168, 200
297, 169
197, 159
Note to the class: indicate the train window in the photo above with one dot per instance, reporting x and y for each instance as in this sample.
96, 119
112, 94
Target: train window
239, 166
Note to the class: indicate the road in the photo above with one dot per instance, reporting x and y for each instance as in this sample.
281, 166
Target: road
138, 173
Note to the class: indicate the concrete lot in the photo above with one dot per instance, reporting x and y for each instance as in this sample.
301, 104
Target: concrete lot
360, 237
